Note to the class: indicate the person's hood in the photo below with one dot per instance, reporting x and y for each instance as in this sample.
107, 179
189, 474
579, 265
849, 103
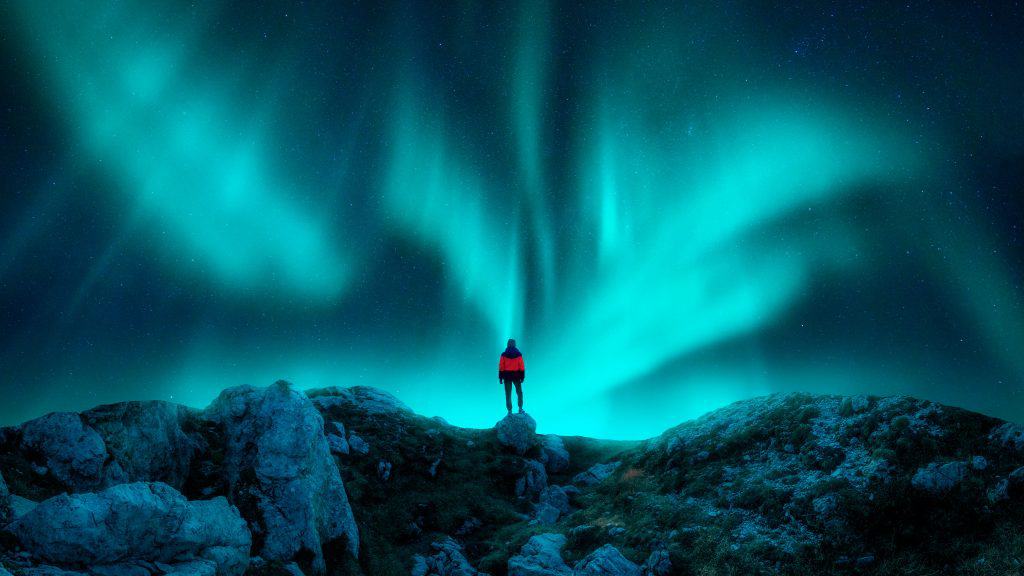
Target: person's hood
511, 352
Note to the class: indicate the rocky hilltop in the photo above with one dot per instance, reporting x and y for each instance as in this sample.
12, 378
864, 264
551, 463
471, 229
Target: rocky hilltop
269, 481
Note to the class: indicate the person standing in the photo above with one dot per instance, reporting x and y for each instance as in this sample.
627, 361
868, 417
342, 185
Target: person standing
512, 371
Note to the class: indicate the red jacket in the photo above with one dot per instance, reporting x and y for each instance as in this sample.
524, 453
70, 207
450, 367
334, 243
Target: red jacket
511, 366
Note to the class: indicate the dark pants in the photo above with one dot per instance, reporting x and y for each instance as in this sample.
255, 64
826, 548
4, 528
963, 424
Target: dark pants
508, 393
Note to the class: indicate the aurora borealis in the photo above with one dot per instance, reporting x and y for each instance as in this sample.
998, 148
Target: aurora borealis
669, 205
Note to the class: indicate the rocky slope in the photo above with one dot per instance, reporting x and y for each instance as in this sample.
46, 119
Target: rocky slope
349, 481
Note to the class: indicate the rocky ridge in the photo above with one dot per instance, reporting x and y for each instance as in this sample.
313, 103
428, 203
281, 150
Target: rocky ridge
350, 481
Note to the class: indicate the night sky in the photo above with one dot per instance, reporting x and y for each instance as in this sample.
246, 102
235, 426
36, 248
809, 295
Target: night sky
671, 206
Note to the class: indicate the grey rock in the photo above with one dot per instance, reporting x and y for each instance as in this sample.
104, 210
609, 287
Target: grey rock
860, 403
826, 504
518, 432
979, 463
657, 564
447, 560
21, 506
135, 570
278, 468
865, 561
556, 497
146, 439
939, 478
553, 453
999, 492
194, 568
469, 526
337, 444
47, 571
293, 569
533, 480
357, 444
546, 514
6, 513
384, 470
72, 452
606, 561
595, 474
130, 523
1008, 435
362, 398
3, 571
540, 556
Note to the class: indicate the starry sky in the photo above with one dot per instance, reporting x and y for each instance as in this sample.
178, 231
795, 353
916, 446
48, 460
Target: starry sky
671, 206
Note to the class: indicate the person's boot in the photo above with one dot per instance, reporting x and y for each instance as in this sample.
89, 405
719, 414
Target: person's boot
509, 411
521, 411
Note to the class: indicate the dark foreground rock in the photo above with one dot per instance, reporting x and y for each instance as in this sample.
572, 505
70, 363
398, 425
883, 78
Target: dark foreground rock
349, 481
128, 526
279, 468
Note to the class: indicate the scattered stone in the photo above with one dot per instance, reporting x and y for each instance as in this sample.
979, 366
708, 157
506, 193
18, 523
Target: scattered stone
595, 474
384, 470
865, 561
357, 444
606, 561
553, 453
999, 492
979, 463
517, 432
336, 438
337, 444
280, 473
540, 556
433, 466
546, 515
533, 480
6, 513
939, 478
657, 564
447, 560
556, 497
1008, 435
131, 523
469, 526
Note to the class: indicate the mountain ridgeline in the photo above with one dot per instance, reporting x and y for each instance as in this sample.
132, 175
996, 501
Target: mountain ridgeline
349, 481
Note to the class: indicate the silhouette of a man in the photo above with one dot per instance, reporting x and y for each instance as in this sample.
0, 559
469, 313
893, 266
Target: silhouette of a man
512, 370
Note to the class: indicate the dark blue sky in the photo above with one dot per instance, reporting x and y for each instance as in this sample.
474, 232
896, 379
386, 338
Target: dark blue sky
670, 207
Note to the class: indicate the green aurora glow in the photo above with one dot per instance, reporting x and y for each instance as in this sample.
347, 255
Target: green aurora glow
656, 207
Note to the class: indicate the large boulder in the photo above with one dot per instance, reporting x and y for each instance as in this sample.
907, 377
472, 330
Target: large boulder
939, 478
71, 451
606, 561
112, 530
553, 453
447, 560
540, 556
517, 432
281, 475
146, 439
363, 398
